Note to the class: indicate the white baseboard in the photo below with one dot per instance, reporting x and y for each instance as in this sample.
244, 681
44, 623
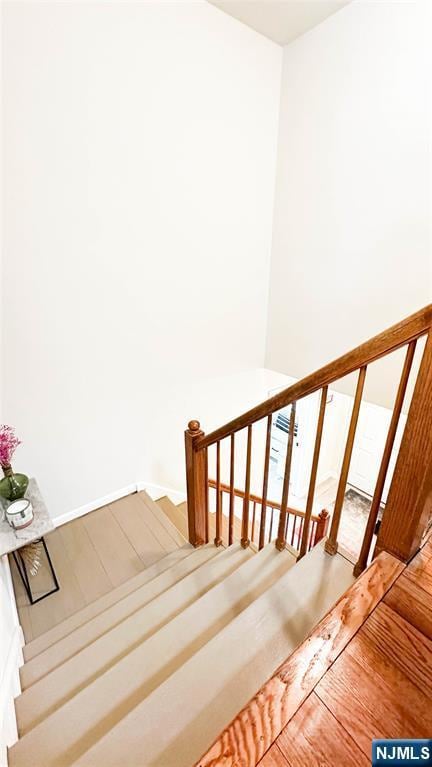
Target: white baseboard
158, 491
93, 505
154, 491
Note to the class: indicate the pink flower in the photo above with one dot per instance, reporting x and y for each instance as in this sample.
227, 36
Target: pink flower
8, 444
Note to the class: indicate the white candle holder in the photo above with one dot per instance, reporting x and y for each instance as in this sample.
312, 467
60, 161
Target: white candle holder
19, 514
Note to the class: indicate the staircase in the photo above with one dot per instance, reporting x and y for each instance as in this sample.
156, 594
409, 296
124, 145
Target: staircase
164, 662
178, 663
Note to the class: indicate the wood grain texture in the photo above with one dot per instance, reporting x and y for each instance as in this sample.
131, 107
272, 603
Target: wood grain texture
256, 727
409, 502
371, 697
420, 570
398, 335
196, 483
314, 737
274, 758
402, 644
412, 603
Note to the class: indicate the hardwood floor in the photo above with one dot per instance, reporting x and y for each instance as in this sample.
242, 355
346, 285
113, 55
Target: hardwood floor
315, 737
380, 686
364, 672
91, 556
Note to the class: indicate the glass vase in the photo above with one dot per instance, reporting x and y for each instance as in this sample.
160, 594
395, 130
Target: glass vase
12, 486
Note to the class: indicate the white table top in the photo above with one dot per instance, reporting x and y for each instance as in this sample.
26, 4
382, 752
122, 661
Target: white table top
11, 540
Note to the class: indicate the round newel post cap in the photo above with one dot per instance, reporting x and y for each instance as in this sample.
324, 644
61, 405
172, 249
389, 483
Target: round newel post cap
194, 426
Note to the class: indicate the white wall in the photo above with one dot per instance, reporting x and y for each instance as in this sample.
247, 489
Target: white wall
213, 402
11, 641
140, 152
352, 226
10, 631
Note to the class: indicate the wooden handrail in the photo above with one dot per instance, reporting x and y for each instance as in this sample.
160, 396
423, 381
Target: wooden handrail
256, 499
388, 341
409, 500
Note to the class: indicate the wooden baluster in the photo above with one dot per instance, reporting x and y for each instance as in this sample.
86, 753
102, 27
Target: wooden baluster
293, 529
245, 518
312, 534
299, 536
207, 498
265, 483
253, 521
218, 538
197, 483
314, 469
409, 502
379, 487
271, 524
331, 545
280, 541
232, 499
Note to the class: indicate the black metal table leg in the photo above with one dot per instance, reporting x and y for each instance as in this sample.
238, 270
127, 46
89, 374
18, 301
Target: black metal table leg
22, 569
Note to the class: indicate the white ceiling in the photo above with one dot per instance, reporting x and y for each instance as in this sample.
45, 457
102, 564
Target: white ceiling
280, 20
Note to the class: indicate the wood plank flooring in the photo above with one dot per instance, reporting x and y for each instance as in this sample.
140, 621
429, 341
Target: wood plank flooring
91, 556
380, 686
315, 737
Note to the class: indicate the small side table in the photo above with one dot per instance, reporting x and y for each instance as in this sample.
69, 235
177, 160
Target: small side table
11, 541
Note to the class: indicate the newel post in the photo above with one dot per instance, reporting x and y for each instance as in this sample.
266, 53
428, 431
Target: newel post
196, 482
321, 526
409, 502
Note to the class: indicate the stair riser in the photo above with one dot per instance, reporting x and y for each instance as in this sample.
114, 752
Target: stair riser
147, 666
180, 536
175, 514
83, 616
77, 640
59, 686
222, 677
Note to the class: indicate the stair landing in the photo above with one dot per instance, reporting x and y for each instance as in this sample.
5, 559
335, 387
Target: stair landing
93, 555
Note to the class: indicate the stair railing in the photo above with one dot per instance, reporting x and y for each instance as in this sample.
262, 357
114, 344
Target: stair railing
409, 502
294, 521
